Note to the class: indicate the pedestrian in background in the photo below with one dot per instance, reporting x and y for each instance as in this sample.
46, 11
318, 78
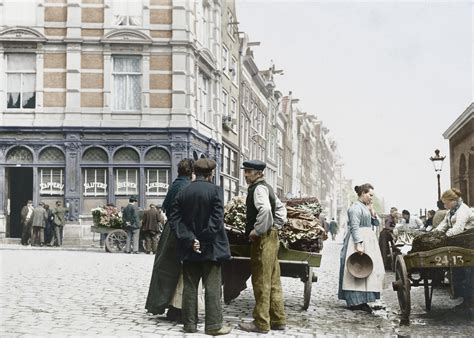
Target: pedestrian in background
358, 292
39, 222
333, 229
429, 220
26, 217
386, 236
167, 267
439, 214
151, 227
265, 214
59, 223
132, 224
49, 226
198, 219
411, 222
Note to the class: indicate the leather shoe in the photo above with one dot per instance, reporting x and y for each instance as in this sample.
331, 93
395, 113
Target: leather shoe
223, 330
362, 307
278, 327
190, 329
251, 327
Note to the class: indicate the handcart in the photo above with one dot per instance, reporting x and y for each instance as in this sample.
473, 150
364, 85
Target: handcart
430, 269
293, 263
116, 239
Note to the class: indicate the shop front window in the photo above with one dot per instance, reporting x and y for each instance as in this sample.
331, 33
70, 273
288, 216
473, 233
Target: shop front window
126, 182
157, 182
95, 182
51, 182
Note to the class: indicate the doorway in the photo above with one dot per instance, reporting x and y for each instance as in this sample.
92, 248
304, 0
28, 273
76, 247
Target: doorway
20, 190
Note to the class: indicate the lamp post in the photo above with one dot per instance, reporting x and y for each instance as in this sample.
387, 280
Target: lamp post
438, 166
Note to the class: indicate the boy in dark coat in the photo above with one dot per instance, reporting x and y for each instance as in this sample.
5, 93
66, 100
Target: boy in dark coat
151, 227
198, 220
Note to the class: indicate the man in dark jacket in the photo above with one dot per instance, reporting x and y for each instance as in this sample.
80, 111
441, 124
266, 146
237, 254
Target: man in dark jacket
198, 220
151, 227
132, 224
26, 216
265, 213
167, 267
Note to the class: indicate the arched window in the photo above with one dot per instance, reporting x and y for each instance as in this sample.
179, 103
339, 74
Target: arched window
95, 179
157, 155
126, 155
19, 155
95, 155
51, 155
158, 178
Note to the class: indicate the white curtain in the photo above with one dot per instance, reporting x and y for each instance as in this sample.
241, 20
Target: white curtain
127, 83
135, 92
120, 89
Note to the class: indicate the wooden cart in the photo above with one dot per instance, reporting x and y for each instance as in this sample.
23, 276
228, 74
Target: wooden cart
116, 239
293, 263
429, 269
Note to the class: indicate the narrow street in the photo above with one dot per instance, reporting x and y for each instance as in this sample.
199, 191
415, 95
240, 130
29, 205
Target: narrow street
61, 292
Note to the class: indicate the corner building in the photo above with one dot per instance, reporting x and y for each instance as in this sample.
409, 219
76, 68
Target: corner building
101, 99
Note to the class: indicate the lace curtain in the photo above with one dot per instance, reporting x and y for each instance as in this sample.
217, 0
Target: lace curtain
127, 83
21, 80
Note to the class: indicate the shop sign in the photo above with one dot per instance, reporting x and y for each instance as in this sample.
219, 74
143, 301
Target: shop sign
52, 187
92, 185
122, 185
156, 185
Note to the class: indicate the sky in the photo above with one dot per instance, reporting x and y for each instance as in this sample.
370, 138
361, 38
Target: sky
386, 77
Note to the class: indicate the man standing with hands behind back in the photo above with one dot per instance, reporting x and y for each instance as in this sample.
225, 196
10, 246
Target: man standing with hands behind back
198, 219
265, 213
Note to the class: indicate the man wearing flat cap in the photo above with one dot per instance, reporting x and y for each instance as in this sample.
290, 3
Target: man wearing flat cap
198, 219
265, 213
132, 224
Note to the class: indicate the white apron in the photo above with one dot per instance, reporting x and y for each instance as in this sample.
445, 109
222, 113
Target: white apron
374, 282
177, 300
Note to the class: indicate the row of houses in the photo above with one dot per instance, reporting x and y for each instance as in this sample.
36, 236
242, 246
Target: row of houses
100, 99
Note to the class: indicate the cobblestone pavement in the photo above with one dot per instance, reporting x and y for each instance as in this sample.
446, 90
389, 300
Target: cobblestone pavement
58, 292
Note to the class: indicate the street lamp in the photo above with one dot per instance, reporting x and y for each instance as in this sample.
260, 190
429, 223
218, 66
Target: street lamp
438, 166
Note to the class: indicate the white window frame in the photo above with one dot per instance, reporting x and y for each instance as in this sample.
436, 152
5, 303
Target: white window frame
98, 188
204, 97
21, 72
50, 187
157, 185
128, 86
225, 103
128, 21
225, 60
129, 190
233, 70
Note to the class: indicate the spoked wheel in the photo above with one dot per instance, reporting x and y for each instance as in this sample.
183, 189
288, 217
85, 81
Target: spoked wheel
393, 257
428, 294
308, 285
402, 286
116, 240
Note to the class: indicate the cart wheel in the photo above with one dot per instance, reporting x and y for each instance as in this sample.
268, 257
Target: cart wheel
393, 257
116, 240
402, 286
307, 288
428, 295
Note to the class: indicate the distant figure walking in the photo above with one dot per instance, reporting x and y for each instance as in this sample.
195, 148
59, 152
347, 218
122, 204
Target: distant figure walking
151, 227
333, 227
132, 224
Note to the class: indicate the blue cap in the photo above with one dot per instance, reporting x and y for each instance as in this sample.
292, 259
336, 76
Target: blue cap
254, 165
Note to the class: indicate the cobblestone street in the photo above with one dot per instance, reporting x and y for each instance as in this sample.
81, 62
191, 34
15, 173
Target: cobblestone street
46, 292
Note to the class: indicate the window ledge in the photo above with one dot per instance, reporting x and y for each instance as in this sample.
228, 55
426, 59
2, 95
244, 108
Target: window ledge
125, 112
17, 110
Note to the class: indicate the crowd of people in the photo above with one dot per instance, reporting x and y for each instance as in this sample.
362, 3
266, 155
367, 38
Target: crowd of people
42, 225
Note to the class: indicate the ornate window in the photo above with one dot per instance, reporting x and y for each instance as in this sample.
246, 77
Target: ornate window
21, 81
52, 155
126, 155
51, 181
95, 155
157, 155
126, 181
127, 77
95, 182
157, 182
19, 155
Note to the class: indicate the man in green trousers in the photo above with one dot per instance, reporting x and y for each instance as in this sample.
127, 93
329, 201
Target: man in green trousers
265, 213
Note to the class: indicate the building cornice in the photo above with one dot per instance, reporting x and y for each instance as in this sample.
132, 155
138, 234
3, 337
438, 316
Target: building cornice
460, 122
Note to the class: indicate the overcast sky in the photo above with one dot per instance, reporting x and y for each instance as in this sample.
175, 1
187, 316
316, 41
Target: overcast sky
386, 77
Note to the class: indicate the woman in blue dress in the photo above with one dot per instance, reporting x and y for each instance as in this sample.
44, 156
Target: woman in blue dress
360, 237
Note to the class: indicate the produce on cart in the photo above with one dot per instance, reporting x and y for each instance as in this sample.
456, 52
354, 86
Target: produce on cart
301, 240
108, 220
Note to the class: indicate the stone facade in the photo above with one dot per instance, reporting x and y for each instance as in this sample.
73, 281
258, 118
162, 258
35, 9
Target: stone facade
461, 153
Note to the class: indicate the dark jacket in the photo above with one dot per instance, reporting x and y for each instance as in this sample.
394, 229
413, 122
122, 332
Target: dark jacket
152, 220
177, 185
198, 213
130, 216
